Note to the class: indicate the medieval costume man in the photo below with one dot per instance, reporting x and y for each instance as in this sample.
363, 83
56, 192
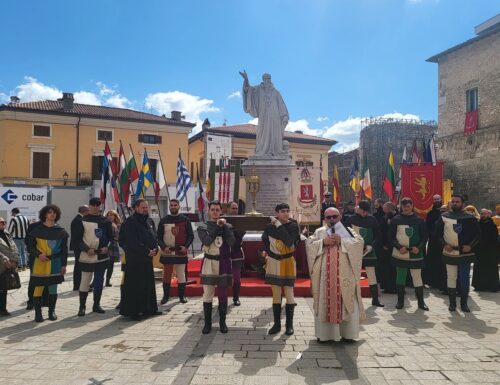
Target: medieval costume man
368, 227
48, 251
459, 234
175, 235
217, 238
93, 236
408, 235
280, 238
334, 255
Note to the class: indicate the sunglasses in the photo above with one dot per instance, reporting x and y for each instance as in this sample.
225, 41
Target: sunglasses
331, 217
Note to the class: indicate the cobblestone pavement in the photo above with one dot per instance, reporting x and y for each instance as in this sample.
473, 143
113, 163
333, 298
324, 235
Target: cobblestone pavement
396, 347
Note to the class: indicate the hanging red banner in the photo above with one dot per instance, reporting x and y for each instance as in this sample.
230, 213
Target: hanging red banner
421, 182
470, 126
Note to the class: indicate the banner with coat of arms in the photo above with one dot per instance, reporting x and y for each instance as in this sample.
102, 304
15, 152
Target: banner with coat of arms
421, 182
305, 205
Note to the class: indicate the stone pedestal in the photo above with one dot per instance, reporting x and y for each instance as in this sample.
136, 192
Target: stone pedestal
275, 182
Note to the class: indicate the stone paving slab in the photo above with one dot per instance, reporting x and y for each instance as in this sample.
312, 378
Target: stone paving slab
405, 347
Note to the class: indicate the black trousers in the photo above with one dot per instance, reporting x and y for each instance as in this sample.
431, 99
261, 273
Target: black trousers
77, 272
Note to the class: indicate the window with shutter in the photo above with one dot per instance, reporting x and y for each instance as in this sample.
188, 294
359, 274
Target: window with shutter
41, 164
41, 130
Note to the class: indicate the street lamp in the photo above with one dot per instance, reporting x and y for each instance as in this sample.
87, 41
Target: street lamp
65, 177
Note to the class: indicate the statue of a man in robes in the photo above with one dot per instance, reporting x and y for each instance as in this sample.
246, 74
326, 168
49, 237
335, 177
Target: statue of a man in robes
265, 103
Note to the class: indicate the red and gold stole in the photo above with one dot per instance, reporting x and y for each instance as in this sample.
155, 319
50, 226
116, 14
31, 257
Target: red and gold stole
332, 287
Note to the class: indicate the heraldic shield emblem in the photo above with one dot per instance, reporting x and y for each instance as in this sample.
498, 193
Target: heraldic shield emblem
457, 228
218, 241
409, 232
98, 232
174, 230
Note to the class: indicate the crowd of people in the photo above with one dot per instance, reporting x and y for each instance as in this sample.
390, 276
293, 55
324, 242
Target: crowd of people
388, 242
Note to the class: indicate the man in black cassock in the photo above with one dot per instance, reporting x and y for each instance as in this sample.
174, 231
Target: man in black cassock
138, 239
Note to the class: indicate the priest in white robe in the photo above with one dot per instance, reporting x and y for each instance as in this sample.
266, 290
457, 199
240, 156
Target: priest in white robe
334, 255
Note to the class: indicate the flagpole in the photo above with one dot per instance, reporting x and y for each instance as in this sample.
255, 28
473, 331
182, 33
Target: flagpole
187, 208
133, 156
164, 177
113, 175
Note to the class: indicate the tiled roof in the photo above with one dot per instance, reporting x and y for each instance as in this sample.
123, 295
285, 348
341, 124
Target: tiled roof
250, 131
87, 110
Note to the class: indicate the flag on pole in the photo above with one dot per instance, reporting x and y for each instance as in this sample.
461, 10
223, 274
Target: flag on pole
183, 179
415, 156
432, 151
145, 177
336, 186
159, 181
122, 167
112, 173
202, 198
365, 181
354, 176
106, 193
403, 161
128, 175
389, 182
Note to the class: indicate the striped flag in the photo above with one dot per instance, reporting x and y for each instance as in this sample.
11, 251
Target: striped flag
365, 181
112, 173
389, 183
354, 177
202, 197
183, 179
159, 181
106, 193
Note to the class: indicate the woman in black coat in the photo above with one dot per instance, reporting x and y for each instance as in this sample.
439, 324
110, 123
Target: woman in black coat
485, 276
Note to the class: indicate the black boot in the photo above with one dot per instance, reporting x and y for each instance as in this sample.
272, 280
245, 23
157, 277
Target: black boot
166, 293
83, 300
400, 290
31, 289
464, 296
374, 291
236, 294
182, 292
96, 308
207, 313
52, 307
222, 318
277, 319
289, 319
37, 303
419, 292
3, 304
121, 298
452, 295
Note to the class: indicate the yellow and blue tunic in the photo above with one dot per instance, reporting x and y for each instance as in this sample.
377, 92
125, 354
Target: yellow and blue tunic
53, 242
280, 241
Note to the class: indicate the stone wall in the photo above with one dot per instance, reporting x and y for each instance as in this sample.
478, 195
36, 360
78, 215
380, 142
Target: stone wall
378, 139
472, 162
344, 162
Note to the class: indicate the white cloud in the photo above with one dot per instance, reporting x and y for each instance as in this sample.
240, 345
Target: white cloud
302, 125
254, 121
104, 90
322, 119
84, 97
32, 90
344, 127
4, 98
190, 105
345, 147
118, 101
235, 94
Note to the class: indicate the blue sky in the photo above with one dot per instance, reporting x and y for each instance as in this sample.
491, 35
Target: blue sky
334, 62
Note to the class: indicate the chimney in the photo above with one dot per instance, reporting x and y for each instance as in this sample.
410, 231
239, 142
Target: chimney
299, 132
206, 124
67, 100
176, 115
14, 100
